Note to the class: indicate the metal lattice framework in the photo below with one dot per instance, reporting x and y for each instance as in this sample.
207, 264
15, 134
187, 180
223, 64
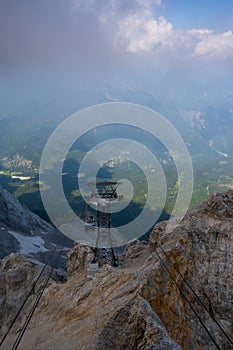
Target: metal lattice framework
102, 194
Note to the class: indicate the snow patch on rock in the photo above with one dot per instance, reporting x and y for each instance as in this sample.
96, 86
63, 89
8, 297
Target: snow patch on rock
29, 244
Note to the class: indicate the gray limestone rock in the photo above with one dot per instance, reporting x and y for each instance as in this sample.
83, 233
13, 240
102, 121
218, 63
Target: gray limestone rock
138, 305
78, 258
135, 326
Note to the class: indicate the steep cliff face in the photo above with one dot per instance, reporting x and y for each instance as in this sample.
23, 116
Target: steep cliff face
201, 248
24, 232
18, 274
18, 217
138, 305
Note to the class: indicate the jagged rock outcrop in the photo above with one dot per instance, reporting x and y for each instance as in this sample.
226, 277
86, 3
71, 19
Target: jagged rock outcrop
138, 327
201, 248
23, 231
8, 243
18, 274
78, 258
134, 249
138, 305
219, 205
17, 216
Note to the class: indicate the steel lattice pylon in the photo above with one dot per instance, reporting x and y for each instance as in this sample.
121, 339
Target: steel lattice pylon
102, 194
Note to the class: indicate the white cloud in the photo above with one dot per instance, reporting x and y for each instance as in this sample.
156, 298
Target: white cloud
215, 45
131, 26
140, 33
148, 3
199, 33
115, 7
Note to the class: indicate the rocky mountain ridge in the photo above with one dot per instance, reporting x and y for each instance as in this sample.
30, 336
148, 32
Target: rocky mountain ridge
138, 305
24, 232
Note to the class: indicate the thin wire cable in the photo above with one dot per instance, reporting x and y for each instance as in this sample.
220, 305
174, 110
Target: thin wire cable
197, 297
187, 300
28, 319
27, 297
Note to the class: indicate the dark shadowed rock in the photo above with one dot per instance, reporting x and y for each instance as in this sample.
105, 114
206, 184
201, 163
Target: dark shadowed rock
23, 231
17, 216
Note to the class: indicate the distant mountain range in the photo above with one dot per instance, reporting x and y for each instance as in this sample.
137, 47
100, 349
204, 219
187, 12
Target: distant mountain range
204, 121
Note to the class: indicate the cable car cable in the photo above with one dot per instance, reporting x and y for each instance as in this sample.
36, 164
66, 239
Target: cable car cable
197, 297
27, 297
32, 310
187, 300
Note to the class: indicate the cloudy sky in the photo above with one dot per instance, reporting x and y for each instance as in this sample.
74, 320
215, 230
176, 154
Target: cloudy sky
155, 43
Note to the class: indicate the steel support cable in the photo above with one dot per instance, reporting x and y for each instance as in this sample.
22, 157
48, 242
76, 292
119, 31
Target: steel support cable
36, 302
197, 297
27, 297
188, 302
186, 299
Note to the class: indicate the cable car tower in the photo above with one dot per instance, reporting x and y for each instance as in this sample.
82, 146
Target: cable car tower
102, 195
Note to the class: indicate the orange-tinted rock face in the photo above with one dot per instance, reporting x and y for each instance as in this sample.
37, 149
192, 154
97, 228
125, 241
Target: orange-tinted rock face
201, 248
